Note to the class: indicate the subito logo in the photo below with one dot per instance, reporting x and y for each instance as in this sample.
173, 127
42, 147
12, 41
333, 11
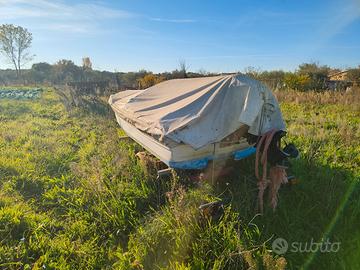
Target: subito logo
280, 246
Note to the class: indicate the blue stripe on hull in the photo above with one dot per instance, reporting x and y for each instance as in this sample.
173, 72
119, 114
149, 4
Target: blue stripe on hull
201, 163
195, 164
244, 153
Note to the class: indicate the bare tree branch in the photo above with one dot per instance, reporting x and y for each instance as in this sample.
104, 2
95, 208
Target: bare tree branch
183, 67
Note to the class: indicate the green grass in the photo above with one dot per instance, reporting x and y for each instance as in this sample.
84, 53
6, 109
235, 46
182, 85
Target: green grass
73, 196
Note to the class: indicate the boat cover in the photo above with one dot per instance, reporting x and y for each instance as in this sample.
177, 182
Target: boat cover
200, 111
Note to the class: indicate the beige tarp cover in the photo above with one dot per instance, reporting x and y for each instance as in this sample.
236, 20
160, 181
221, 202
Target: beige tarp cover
200, 111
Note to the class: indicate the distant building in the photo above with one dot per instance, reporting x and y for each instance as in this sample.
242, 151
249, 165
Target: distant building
338, 80
338, 76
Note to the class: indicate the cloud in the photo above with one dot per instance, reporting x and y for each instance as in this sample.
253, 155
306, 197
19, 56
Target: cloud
69, 17
172, 20
63, 27
344, 16
20, 9
60, 16
338, 19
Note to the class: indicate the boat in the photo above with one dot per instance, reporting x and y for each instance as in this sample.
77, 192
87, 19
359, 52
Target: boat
188, 122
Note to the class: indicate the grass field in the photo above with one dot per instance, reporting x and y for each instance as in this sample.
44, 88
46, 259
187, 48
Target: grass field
73, 195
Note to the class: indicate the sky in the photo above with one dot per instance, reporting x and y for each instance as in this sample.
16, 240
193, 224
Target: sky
213, 36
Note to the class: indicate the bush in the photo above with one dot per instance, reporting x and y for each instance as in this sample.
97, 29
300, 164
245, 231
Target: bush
150, 80
297, 82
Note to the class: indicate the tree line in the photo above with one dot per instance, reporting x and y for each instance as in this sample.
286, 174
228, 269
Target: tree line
65, 71
15, 43
308, 76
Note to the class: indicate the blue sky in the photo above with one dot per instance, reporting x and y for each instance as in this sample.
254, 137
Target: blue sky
217, 36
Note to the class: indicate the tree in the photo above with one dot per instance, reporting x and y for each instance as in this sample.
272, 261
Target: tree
183, 67
203, 72
317, 75
252, 72
296, 81
41, 72
87, 65
273, 79
354, 75
66, 71
15, 42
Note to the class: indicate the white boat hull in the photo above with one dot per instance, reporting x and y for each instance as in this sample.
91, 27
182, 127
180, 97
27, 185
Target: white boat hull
183, 156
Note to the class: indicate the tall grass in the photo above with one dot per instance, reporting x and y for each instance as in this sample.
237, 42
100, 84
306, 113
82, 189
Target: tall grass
74, 196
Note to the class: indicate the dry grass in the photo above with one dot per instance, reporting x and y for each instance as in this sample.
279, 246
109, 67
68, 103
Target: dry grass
351, 98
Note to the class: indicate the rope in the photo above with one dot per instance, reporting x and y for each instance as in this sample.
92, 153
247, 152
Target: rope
277, 173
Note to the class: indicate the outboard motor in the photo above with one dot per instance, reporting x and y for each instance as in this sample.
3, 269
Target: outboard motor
278, 155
